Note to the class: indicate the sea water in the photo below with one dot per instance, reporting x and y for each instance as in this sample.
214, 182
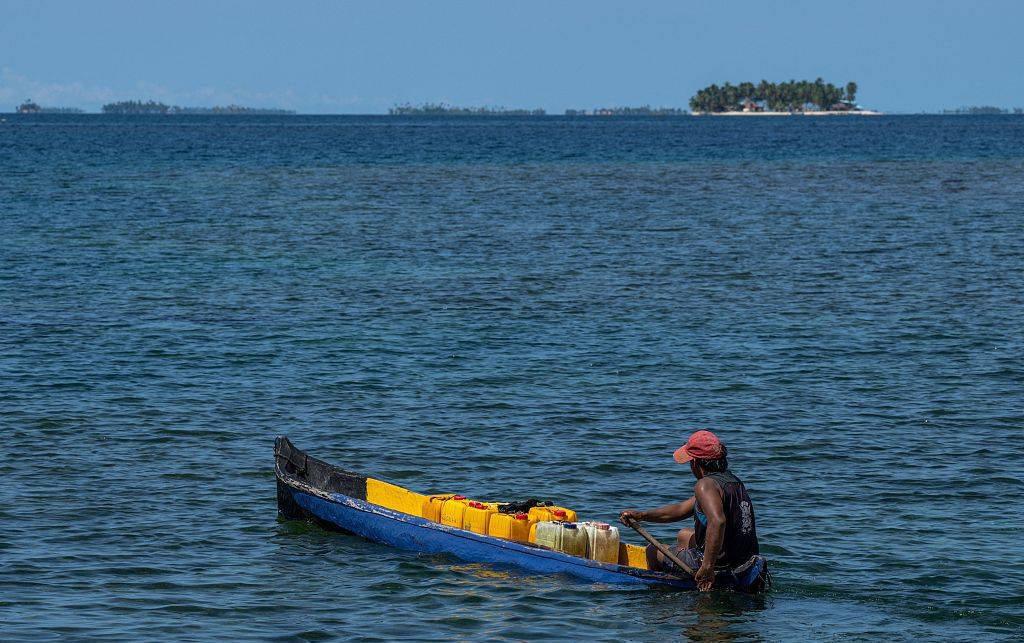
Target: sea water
840, 299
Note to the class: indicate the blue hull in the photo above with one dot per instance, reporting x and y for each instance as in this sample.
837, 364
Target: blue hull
417, 534
311, 489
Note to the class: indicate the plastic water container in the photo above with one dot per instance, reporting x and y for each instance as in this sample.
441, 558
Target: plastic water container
633, 555
561, 513
500, 526
574, 540
453, 511
476, 517
520, 528
432, 507
549, 534
602, 541
541, 514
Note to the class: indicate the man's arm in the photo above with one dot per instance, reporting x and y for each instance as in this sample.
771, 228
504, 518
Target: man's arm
668, 513
710, 497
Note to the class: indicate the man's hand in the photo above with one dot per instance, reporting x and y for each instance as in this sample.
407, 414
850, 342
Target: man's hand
630, 514
705, 577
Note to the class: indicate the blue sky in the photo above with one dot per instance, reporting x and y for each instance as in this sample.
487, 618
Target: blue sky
362, 57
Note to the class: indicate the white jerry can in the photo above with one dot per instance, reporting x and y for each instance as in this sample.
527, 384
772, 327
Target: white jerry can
549, 534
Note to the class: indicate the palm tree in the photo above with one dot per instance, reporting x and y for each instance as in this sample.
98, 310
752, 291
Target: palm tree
747, 91
761, 92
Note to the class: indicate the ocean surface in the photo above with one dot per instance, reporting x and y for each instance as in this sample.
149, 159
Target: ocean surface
509, 308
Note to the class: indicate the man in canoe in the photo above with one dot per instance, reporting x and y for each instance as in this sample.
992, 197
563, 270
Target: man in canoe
724, 537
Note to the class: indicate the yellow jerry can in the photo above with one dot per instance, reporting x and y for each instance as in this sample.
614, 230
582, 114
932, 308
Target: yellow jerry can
476, 517
500, 525
541, 514
520, 528
453, 511
432, 507
563, 514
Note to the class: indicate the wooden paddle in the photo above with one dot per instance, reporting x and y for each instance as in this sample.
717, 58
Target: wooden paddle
662, 548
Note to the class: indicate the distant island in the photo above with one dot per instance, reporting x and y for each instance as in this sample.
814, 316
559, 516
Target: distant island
31, 107
983, 109
153, 107
777, 98
443, 109
645, 110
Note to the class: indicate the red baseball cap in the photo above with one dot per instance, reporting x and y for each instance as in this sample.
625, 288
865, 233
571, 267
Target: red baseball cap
702, 444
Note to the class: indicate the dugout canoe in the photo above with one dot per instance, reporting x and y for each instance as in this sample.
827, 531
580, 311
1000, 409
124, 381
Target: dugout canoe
313, 490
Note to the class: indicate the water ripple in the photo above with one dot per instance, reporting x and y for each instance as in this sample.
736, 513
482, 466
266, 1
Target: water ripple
508, 308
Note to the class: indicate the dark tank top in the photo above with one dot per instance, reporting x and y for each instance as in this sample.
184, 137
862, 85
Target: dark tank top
740, 541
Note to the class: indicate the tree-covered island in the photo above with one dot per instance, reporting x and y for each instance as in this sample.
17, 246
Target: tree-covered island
977, 110
443, 109
32, 107
153, 107
792, 96
645, 110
